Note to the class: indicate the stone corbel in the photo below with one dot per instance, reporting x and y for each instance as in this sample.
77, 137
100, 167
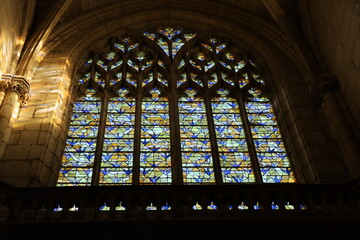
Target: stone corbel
324, 85
18, 84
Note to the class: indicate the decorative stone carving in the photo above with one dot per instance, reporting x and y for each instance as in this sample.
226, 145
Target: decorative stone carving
17, 84
323, 85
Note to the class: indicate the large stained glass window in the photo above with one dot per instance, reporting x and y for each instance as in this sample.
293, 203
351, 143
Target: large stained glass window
172, 107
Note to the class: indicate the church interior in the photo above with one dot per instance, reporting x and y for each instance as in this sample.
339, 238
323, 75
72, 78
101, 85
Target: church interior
156, 118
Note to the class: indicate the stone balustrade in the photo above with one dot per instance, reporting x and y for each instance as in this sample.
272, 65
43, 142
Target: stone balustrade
228, 202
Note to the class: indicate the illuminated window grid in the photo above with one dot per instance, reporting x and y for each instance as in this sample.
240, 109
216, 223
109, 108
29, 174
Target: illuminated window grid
117, 156
78, 159
232, 146
197, 162
270, 150
155, 158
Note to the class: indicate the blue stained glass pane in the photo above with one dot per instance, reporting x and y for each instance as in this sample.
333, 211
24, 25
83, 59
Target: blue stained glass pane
117, 159
197, 159
120, 119
164, 45
74, 176
277, 175
84, 118
176, 45
155, 119
155, 159
232, 145
78, 159
238, 175
227, 119
195, 145
155, 145
155, 107
262, 119
194, 132
258, 107
155, 175
234, 159
191, 107
119, 131
277, 159
225, 107
265, 132
118, 145
155, 132
80, 145
115, 176
193, 119
198, 175
121, 107
83, 131
269, 145
169, 32
87, 107
235, 131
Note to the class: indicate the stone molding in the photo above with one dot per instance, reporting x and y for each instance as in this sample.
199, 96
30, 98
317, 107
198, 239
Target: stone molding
324, 85
18, 84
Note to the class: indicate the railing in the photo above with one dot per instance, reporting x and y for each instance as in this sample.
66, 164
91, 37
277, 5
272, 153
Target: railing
228, 202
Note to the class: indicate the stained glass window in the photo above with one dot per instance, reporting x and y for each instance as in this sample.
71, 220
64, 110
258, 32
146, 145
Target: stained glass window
172, 107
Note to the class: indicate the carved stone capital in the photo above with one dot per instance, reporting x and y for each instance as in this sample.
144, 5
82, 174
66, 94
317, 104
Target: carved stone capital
16, 83
323, 85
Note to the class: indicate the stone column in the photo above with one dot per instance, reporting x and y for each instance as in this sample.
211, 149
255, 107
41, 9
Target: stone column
15, 93
326, 90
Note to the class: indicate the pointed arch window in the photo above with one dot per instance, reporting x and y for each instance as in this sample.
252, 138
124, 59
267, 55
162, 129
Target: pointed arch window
172, 107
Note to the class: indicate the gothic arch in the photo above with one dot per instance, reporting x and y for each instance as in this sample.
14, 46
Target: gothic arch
66, 49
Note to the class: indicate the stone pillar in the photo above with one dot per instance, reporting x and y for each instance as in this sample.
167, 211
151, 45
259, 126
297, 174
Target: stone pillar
326, 90
15, 93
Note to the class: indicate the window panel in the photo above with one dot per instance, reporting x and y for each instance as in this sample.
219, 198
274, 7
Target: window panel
155, 157
270, 150
197, 162
232, 145
117, 159
198, 175
75, 176
118, 144
238, 175
78, 159
115, 176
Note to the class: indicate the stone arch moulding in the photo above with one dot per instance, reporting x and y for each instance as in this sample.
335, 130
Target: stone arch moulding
68, 46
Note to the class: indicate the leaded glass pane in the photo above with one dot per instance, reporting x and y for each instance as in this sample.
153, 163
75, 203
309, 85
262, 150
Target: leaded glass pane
74, 176
232, 145
118, 145
80, 146
155, 157
269, 145
197, 161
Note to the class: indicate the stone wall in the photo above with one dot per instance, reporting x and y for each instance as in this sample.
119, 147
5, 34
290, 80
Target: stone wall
334, 36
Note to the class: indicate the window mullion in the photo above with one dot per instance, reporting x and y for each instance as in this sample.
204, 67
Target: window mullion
100, 142
176, 161
137, 134
249, 140
213, 141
